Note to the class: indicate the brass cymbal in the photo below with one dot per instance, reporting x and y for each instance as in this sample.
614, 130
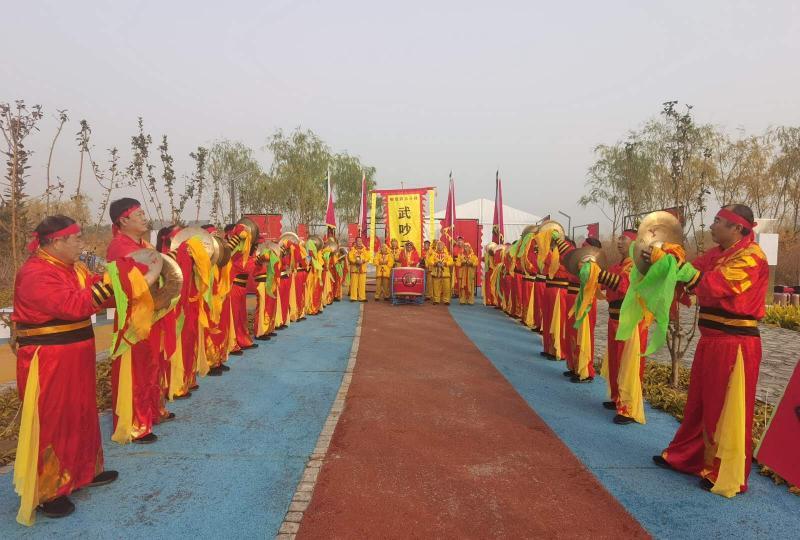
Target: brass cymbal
552, 225
252, 226
576, 258
490, 248
289, 237
342, 251
152, 259
529, 229
172, 283
332, 244
655, 229
206, 238
223, 250
317, 241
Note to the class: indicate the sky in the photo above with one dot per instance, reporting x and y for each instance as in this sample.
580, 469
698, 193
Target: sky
415, 89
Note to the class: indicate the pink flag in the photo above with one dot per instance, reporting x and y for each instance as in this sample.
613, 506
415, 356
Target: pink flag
498, 226
362, 216
330, 212
448, 225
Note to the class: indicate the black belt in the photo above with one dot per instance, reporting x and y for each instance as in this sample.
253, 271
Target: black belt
302, 269
556, 284
240, 283
725, 321
242, 276
261, 278
529, 278
55, 332
284, 275
613, 309
541, 278
573, 289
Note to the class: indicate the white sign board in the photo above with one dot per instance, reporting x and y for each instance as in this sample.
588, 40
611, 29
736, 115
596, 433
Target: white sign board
769, 245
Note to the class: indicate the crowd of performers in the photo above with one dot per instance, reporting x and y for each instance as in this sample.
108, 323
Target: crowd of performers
529, 281
449, 273
170, 330
185, 322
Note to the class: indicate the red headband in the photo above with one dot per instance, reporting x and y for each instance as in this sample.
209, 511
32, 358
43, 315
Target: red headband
629, 234
36, 241
731, 216
126, 213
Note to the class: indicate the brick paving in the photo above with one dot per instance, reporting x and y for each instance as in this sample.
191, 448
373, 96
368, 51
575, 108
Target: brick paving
781, 352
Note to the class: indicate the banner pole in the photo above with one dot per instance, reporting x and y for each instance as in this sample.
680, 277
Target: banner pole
372, 224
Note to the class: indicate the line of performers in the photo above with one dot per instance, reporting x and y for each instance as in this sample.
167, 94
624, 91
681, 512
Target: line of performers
180, 313
552, 286
446, 275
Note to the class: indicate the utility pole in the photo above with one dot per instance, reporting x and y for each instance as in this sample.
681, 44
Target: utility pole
569, 220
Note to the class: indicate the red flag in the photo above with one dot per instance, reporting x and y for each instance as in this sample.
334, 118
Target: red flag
449, 222
362, 216
330, 212
498, 225
593, 230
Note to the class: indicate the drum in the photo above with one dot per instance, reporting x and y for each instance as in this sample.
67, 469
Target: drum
408, 282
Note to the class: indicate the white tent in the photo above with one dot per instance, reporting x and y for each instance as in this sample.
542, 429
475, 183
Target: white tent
483, 210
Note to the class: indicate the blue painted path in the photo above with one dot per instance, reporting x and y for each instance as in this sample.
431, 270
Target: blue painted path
667, 504
228, 465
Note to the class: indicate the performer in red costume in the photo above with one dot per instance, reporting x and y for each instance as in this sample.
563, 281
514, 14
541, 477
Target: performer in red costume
409, 256
554, 312
714, 440
243, 262
573, 346
615, 282
59, 448
129, 228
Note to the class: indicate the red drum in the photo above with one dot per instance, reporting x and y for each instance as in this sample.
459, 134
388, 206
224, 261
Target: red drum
408, 281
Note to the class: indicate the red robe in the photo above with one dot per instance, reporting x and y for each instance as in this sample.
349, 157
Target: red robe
731, 289
68, 453
615, 289
241, 271
409, 258
285, 285
145, 363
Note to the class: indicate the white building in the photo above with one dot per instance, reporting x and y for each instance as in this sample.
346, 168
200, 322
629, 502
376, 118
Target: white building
483, 210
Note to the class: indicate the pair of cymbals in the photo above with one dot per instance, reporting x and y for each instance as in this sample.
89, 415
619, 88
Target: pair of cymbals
160, 265
575, 259
656, 229
211, 244
290, 237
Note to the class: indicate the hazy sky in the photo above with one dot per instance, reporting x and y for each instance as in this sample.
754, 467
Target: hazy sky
414, 88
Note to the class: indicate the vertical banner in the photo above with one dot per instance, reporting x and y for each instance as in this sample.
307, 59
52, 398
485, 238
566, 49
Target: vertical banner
431, 221
405, 218
374, 207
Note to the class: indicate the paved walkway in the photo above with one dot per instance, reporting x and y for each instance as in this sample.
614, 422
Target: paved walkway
228, 465
435, 443
667, 504
781, 352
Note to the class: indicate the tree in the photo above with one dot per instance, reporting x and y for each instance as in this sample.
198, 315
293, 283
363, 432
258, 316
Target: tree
16, 123
298, 174
232, 169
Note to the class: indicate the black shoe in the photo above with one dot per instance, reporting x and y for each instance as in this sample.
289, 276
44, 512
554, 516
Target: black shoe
105, 477
622, 420
214, 372
281, 327
147, 439
236, 353
661, 462
195, 387
273, 334
545, 354
610, 405
264, 337
302, 318
337, 299
706, 484
251, 346
568, 373
169, 416
187, 395
377, 299
223, 367
57, 508
578, 380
